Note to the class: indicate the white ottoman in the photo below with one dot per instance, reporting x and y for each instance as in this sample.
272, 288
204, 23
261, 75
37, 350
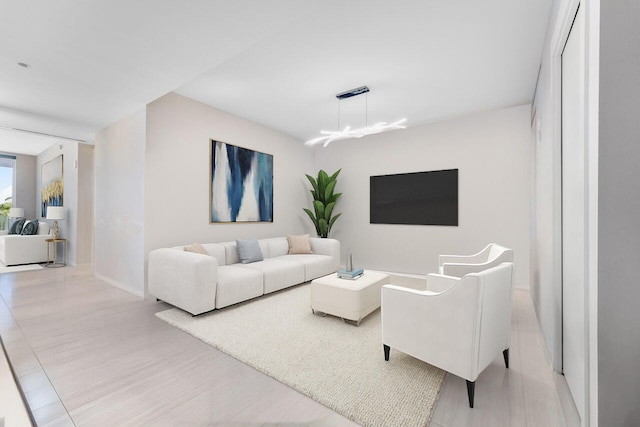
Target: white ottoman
349, 299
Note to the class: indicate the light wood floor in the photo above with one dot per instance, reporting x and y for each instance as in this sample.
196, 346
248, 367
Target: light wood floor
88, 354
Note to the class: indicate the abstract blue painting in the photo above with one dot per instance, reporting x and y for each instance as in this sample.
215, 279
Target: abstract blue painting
241, 184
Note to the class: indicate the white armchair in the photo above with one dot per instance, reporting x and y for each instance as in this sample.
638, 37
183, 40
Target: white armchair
461, 329
460, 265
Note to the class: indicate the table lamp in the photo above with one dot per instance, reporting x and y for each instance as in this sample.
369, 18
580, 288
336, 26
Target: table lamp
16, 213
55, 213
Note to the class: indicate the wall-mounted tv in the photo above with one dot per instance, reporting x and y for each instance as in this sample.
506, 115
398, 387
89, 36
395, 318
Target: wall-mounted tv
418, 198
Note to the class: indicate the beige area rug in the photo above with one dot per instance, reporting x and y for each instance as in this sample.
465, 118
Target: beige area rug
337, 364
16, 268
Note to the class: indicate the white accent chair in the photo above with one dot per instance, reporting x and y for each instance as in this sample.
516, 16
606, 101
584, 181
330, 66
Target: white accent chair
461, 329
461, 265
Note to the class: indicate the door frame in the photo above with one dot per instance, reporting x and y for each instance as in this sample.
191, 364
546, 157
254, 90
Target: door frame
592, 58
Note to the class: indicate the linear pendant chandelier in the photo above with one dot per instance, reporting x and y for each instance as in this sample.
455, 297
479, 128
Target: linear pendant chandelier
327, 137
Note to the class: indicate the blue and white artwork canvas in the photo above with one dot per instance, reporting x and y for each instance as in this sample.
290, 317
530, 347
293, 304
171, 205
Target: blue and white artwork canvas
241, 184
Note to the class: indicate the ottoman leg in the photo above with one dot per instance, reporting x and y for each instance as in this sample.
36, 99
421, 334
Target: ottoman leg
386, 351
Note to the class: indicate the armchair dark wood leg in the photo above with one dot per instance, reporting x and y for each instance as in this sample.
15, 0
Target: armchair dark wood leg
471, 386
505, 354
386, 351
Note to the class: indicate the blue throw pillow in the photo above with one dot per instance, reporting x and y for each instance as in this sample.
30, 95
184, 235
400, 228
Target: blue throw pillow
249, 251
30, 228
16, 228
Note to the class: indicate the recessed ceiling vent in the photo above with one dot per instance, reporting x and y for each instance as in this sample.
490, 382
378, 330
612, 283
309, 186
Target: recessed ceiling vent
353, 92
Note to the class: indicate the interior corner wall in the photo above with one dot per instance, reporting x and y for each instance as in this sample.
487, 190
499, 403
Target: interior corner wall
177, 174
618, 215
67, 227
491, 151
119, 203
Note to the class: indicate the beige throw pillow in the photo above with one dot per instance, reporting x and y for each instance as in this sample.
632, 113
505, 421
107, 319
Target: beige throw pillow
299, 244
196, 248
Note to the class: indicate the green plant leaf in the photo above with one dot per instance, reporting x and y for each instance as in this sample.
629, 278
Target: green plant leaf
328, 209
328, 192
311, 215
318, 206
333, 220
322, 185
324, 228
335, 175
313, 219
314, 184
335, 197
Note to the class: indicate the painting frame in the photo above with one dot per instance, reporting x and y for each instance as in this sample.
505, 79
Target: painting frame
240, 184
52, 184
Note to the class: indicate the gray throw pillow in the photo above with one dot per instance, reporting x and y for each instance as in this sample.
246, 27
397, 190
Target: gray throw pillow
16, 228
249, 251
30, 228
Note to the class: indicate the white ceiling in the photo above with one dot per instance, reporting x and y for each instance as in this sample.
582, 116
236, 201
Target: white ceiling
278, 63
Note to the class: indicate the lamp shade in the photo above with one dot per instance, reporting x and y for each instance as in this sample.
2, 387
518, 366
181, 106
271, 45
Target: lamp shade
16, 212
55, 212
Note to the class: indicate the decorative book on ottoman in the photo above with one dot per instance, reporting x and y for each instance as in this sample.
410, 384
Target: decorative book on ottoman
350, 274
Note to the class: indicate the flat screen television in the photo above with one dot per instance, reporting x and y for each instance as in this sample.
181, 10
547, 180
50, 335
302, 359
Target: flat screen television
418, 198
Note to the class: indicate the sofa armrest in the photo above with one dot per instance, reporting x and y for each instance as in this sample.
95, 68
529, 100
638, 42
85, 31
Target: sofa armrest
323, 246
186, 280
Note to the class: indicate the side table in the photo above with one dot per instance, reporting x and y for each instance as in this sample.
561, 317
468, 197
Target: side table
53, 263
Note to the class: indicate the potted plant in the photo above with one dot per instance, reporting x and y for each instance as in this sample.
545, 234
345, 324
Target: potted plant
324, 200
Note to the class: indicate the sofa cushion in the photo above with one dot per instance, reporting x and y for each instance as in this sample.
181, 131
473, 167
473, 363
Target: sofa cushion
249, 251
314, 265
278, 246
236, 284
217, 251
278, 273
299, 244
16, 227
30, 228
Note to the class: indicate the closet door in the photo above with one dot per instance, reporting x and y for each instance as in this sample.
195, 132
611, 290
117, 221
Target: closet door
574, 211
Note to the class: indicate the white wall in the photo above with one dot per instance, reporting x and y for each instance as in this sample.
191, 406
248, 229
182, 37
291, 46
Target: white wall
177, 174
491, 151
67, 227
119, 203
546, 254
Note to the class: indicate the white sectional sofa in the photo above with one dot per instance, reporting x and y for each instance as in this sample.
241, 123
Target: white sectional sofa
198, 283
18, 249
